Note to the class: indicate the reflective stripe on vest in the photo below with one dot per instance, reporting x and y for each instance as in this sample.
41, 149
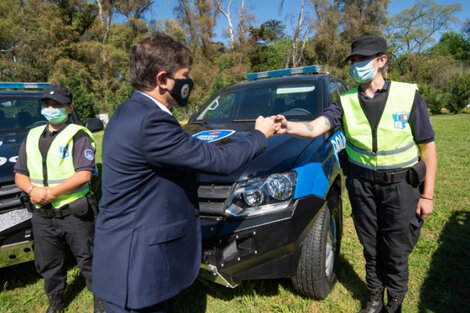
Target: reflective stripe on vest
59, 161
395, 145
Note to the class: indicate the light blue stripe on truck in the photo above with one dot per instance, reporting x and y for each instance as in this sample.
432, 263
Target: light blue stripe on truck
17, 85
311, 180
285, 72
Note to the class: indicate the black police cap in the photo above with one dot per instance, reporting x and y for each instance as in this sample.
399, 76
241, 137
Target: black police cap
57, 93
367, 46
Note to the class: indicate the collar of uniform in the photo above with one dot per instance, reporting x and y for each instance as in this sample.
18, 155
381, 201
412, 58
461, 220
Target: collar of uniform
48, 133
158, 103
380, 90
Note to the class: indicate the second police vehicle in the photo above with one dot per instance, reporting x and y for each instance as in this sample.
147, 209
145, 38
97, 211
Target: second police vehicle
20, 110
280, 215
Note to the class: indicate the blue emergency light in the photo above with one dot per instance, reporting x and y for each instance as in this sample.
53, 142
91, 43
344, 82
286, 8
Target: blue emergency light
23, 85
285, 72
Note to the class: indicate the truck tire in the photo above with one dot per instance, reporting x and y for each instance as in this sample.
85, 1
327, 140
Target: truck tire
316, 275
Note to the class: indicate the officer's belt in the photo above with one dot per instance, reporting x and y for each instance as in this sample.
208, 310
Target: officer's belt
384, 177
50, 212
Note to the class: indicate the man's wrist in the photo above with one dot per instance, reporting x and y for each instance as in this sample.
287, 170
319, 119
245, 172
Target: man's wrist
431, 198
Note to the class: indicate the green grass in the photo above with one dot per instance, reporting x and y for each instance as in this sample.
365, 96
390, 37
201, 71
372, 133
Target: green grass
439, 265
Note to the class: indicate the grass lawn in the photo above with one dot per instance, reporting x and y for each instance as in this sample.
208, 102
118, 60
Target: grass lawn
439, 265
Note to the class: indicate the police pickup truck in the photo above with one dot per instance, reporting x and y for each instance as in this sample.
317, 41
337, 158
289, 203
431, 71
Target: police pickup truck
280, 215
20, 110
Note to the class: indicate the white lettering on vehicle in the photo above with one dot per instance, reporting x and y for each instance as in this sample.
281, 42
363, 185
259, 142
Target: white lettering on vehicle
338, 141
4, 160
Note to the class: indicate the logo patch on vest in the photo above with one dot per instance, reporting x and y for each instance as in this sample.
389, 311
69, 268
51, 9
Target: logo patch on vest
64, 152
88, 154
400, 119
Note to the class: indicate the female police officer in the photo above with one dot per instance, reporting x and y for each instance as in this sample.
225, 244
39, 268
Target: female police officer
387, 127
55, 165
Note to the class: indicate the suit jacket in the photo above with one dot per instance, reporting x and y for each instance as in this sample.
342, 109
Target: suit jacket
147, 244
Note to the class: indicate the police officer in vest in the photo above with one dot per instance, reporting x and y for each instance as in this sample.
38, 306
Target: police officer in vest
392, 167
54, 168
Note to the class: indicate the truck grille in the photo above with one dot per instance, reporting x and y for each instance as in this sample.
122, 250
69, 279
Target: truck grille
212, 198
9, 199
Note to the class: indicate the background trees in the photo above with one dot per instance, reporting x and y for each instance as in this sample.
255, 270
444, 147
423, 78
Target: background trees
85, 45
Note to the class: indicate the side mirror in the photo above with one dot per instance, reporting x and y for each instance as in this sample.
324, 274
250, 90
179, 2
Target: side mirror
94, 124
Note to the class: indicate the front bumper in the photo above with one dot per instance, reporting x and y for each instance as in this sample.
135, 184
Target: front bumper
16, 245
261, 247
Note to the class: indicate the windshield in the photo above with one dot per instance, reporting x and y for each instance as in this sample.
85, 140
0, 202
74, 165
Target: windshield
294, 100
20, 114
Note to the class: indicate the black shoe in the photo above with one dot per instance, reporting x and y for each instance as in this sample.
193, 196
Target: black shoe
56, 303
98, 306
375, 303
393, 305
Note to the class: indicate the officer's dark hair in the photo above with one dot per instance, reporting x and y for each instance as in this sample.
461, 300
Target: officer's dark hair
153, 54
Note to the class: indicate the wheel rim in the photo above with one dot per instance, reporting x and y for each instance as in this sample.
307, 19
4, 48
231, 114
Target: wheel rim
330, 247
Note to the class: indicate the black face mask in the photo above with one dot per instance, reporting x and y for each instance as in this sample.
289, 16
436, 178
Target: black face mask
181, 90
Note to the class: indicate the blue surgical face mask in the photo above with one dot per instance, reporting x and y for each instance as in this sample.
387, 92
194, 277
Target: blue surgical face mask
363, 72
54, 115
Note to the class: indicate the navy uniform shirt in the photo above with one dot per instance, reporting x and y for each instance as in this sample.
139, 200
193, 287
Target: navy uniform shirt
81, 144
420, 123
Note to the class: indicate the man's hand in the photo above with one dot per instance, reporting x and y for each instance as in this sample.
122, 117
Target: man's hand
424, 208
280, 124
41, 195
265, 125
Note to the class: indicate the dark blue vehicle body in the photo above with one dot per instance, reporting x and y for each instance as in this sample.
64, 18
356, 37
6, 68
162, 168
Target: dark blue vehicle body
269, 244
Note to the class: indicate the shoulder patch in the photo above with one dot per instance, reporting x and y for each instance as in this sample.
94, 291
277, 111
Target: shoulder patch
89, 154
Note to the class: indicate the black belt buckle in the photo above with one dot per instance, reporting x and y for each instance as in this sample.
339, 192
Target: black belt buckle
58, 213
380, 177
46, 212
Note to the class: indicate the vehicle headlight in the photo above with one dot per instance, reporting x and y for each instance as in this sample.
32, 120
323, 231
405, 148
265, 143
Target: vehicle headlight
262, 195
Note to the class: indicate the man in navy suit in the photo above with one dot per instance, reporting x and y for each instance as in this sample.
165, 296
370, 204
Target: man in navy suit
147, 240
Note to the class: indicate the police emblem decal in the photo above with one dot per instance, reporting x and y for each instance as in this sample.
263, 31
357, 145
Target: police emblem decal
185, 91
88, 154
214, 135
400, 119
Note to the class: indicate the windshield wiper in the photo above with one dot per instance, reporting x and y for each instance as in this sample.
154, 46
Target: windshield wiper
199, 122
240, 120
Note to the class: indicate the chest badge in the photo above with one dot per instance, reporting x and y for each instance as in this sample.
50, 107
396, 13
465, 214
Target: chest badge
64, 152
400, 119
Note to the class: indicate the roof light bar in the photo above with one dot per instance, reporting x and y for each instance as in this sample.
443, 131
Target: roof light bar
285, 72
23, 85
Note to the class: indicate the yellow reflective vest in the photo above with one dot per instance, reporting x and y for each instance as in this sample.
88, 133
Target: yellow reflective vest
58, 165
395, 146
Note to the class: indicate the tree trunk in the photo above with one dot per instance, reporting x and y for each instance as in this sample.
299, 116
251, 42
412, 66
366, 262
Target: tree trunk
229, 20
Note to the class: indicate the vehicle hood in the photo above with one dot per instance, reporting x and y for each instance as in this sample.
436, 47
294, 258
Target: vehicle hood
280, 154
9, 146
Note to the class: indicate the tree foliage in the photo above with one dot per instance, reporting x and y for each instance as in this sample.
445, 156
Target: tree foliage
412, 30
85, 45
459, 92
453, 45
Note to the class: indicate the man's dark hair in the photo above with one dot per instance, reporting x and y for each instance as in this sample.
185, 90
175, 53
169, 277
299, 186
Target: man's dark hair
153, 54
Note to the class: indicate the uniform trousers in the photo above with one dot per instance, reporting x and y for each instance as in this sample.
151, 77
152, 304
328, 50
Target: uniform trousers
51, 238
386, 224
